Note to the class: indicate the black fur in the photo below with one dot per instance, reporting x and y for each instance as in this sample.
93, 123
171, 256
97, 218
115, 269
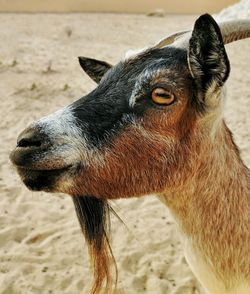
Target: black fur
207, 55
94, 68
106, 110
93, 217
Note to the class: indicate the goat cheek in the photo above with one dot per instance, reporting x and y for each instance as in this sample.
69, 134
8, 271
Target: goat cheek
135, 166
116, 181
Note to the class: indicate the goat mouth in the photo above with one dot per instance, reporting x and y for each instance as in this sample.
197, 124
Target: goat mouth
37, 159
41, 180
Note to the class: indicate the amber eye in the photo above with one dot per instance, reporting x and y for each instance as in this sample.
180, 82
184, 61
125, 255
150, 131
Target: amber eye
162, 96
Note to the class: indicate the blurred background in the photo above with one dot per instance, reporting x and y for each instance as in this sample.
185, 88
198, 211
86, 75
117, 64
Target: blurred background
122, 6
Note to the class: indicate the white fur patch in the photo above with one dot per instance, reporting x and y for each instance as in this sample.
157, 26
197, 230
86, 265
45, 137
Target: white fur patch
69, 142
60, 122
144, 78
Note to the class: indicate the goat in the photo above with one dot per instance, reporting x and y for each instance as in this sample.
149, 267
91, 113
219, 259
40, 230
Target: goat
153, 125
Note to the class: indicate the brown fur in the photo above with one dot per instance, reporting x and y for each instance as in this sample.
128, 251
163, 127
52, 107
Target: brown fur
142, 147
203, 181
213, 207
150, 151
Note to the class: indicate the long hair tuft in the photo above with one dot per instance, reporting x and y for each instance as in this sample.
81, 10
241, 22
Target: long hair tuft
94, 218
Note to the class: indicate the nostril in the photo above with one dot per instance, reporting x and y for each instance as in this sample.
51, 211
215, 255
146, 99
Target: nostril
29, 142
32, 137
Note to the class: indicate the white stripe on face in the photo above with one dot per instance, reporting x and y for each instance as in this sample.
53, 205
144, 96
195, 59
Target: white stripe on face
68, 139
148, 76
145, 76
61, 122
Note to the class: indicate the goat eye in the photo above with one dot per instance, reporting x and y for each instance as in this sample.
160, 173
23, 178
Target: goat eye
162, 96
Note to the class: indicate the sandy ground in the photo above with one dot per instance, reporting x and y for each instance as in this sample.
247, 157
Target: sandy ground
41, 247
128, 6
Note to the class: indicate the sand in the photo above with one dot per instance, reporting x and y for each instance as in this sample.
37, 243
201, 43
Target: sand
41, 247
128, 6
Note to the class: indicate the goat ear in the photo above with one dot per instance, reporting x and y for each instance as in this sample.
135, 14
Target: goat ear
207, 58
95, 69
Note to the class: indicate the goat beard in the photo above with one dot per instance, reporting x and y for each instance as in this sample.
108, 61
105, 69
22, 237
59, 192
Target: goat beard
94, 217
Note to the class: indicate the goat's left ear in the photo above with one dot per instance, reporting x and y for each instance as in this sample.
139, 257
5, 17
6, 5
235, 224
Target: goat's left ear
207, 58
95, 69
